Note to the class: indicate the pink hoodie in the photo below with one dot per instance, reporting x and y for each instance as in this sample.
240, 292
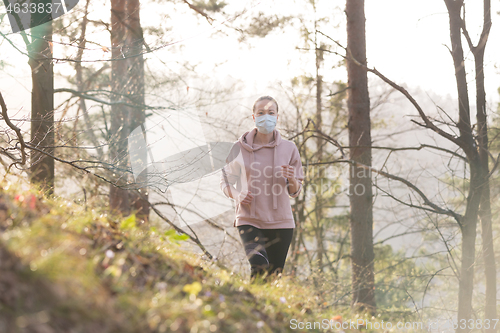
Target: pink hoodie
270, 207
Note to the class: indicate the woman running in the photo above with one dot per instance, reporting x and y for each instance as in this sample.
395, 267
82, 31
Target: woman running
266, 170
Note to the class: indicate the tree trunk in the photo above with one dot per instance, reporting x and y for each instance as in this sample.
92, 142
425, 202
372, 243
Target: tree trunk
319, 230
299, 214
295, 245
118, 197
360, 192
80, 84
490, 311
136, 89
477, 176
487, 232
42, 102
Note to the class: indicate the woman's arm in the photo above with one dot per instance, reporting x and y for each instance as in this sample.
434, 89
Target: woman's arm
230, 173
294, 174
230, 191
293, 185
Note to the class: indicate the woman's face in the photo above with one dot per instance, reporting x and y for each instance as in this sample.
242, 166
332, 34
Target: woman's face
265, 107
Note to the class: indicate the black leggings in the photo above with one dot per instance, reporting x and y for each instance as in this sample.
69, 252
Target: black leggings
266, 249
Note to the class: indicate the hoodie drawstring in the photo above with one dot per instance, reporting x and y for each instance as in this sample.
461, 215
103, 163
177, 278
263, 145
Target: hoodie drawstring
250, 186
275, 203
247, 144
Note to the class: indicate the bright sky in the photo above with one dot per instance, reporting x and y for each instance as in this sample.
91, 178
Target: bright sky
406, 41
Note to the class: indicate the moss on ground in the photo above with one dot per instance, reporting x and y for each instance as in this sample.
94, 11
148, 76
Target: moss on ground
65, 267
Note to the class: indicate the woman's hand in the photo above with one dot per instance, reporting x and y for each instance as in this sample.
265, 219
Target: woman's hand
288, 172
245, 197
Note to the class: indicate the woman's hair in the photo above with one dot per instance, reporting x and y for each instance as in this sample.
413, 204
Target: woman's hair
269, 98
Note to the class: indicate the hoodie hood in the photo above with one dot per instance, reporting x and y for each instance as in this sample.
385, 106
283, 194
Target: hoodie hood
246, 141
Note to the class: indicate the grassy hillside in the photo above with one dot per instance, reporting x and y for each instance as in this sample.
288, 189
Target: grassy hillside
68, 268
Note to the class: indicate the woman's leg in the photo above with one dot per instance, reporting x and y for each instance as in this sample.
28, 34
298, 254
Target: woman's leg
277, 244
254, 243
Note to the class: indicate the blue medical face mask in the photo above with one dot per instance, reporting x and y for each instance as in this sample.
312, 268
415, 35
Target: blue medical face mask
265, 123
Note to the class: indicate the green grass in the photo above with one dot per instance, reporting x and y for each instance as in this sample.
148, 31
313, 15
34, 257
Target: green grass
67, 268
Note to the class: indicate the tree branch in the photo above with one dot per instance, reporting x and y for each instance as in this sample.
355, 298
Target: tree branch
15, 128
427, 202
95, 99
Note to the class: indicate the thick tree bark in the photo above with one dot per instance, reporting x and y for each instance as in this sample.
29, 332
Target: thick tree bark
118, 150
42, 102
360, 192
128, 86
137, 96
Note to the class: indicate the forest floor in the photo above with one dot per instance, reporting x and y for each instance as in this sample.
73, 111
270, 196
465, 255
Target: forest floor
65, 267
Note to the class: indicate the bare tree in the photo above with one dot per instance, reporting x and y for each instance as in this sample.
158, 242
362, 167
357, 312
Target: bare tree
80, 84
360, 192
319, 228
466, 142
137, 96
478, 161
482, 138
119, 200
42, 99
127, 72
